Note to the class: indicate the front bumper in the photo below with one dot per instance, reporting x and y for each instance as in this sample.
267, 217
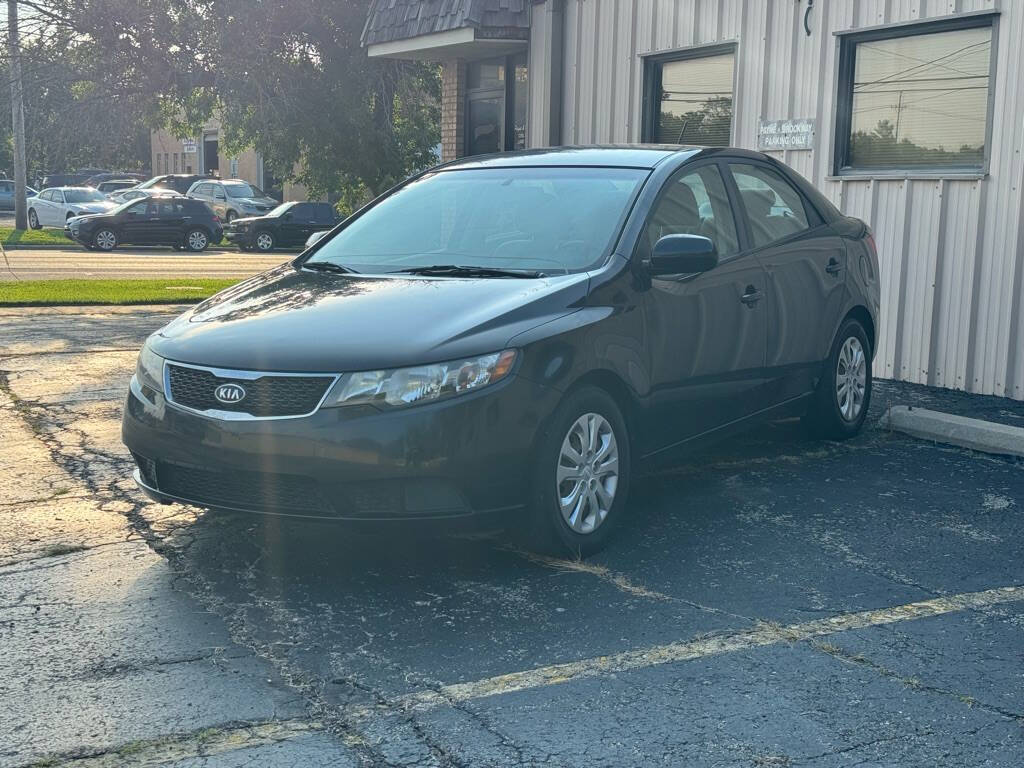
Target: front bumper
468, 456
238, 237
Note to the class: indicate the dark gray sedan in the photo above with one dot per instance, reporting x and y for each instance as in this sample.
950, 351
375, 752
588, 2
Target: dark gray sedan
506, 338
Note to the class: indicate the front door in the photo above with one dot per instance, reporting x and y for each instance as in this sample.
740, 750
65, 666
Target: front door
707, 331
137, 223
296, 224
806, 264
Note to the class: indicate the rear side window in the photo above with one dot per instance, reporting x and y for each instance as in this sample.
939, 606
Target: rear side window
774, 208
324, 213
695, 203
302, 211
196, 207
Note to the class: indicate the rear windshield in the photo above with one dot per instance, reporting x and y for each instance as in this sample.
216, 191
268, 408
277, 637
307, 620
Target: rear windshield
547, 219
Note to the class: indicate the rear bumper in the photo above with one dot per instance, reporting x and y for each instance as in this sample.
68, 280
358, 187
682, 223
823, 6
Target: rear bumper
467, 457
238, 238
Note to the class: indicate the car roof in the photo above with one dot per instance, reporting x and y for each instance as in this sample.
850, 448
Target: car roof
621, 156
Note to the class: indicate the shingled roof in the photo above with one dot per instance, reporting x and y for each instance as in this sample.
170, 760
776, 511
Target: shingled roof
390, 20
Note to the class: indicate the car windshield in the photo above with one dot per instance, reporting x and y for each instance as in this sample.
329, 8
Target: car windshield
83, 195
545, 219
241, 189
280, 209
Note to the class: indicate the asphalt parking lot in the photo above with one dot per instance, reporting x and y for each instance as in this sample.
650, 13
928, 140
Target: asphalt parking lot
773, 602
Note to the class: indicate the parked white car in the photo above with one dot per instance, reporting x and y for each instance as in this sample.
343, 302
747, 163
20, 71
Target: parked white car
135, 194
54, 206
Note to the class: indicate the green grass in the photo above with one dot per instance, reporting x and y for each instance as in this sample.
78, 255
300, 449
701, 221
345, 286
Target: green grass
168, 290
12, 236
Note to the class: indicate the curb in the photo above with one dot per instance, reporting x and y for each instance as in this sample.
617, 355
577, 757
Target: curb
976, 434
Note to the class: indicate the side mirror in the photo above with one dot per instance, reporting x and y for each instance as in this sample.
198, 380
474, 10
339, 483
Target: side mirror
682, 254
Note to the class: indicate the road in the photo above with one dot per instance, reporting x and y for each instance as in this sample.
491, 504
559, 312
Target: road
133, 262
772, 602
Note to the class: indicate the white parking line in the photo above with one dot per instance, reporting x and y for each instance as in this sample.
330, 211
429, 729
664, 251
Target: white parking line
758, 636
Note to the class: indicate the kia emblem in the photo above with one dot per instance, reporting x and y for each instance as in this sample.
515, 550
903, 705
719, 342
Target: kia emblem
230, 393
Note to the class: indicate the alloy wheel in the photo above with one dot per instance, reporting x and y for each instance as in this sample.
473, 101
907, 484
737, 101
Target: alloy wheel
105, 240
197, 240
264, 241
588, 473
851, 379
33, 220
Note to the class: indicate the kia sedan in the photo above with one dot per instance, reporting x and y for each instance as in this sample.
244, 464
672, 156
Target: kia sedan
506, 339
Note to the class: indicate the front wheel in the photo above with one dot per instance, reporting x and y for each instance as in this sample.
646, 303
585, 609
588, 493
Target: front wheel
581, 475
264, 242
197, 240
229, 217
841, 401
105, 240
33, 219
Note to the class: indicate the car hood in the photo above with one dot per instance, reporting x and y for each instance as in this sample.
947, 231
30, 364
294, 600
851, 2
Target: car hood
98, 207
243, 220
256, 201
291, 320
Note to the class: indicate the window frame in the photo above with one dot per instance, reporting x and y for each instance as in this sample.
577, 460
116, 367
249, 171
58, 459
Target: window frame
652, 68
506, 92
847, 42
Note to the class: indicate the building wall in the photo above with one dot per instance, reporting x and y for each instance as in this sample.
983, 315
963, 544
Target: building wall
951, 249
453, 105
163, 143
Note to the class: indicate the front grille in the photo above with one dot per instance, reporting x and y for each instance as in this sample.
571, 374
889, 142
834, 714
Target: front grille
267, 396
256, 491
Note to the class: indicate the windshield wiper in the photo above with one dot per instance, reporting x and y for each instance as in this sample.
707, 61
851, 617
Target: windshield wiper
327, 266
464, 270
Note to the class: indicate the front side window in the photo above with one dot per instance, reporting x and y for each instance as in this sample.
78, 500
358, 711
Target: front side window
552, 220
916, 100
695, 203
774, 208
690, 98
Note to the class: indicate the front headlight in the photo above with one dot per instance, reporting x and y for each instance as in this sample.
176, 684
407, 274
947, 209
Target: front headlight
422, 383
150, 369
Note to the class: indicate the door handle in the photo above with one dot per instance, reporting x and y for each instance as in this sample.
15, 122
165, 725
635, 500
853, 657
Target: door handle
833, 267
752, 296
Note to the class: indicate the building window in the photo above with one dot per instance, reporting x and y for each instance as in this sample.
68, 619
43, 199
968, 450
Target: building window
916, 97
688, 96
175, 162
166, 163
233, 167
496, 99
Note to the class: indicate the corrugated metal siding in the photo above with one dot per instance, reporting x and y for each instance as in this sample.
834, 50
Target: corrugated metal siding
951, 250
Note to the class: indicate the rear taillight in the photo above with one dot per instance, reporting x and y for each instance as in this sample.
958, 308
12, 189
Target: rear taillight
216, 218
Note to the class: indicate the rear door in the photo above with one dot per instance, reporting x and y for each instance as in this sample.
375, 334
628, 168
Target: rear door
806, 263
6, 194
707, 331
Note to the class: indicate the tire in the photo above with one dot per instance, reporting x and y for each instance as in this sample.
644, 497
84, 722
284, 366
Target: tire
33, 219
196, 240
264, 241
229, 217
580, 529
841, 402
105, 239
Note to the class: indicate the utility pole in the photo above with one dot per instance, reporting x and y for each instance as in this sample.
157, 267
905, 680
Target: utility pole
17, 114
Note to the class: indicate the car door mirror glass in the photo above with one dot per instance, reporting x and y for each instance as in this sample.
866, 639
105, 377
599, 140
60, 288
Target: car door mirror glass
683, 254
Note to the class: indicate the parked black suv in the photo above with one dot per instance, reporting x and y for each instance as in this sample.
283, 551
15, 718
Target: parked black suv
289, 224
179, 182
175, 221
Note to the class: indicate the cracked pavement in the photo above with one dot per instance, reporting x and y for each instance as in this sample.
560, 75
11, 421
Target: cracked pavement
757, 610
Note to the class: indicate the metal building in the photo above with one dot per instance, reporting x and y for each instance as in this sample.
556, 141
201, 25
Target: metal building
906, 113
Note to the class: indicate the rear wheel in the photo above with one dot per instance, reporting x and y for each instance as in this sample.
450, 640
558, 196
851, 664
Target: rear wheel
581, 475
105, 239
196, 240
33, 219
841, 402
264, 241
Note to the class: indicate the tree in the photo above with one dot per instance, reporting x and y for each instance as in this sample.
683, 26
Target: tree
287, 77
